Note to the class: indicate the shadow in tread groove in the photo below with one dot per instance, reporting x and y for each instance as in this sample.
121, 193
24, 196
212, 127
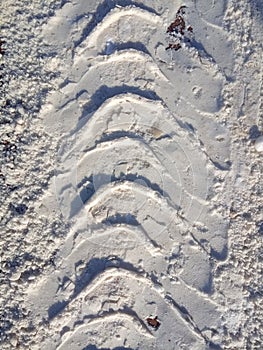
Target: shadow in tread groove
257, 9
88, 190
123, 311
102, 11
105, 92
115, 135
56, 308
127, 219
113, 47
93, 268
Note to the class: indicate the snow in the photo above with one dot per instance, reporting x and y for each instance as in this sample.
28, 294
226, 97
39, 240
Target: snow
130, 175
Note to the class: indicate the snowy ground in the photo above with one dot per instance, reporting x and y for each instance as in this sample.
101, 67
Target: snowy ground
131, 174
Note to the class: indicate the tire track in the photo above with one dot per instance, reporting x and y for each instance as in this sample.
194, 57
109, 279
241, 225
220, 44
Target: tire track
192, 207
120, 303
207, 84
136, 160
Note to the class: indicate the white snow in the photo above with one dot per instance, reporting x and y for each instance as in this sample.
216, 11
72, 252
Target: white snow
130, 187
